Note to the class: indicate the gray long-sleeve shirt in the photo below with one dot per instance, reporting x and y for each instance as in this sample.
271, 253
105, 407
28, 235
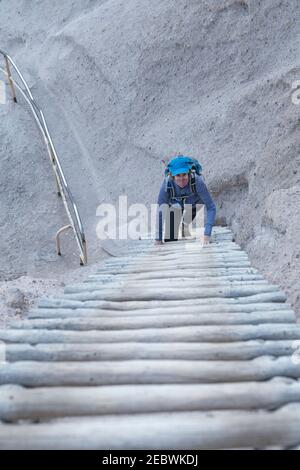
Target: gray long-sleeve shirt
201, 196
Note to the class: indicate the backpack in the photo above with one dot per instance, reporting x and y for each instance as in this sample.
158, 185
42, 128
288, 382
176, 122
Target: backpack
194, 168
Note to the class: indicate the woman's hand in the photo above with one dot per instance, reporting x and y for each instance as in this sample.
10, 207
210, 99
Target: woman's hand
205, 240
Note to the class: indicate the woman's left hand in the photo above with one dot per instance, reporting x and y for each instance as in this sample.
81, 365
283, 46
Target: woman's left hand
205, 240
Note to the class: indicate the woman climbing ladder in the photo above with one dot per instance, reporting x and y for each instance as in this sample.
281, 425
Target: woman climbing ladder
182, 190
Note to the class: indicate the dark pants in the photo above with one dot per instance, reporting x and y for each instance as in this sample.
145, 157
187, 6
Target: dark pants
174, 223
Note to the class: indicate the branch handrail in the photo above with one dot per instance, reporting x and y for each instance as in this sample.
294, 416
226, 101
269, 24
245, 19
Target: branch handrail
61, 182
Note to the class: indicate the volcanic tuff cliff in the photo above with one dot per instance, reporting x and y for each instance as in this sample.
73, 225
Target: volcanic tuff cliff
125, 83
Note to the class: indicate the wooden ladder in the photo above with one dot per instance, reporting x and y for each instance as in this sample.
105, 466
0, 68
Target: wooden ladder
175, 346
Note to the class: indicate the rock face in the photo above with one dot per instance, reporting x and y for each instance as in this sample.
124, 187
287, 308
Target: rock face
126, 83
12, 303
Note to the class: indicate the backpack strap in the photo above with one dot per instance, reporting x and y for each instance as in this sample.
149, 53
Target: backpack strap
192, 182
169, 188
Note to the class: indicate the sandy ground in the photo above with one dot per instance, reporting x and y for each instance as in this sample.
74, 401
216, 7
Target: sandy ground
20, 295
